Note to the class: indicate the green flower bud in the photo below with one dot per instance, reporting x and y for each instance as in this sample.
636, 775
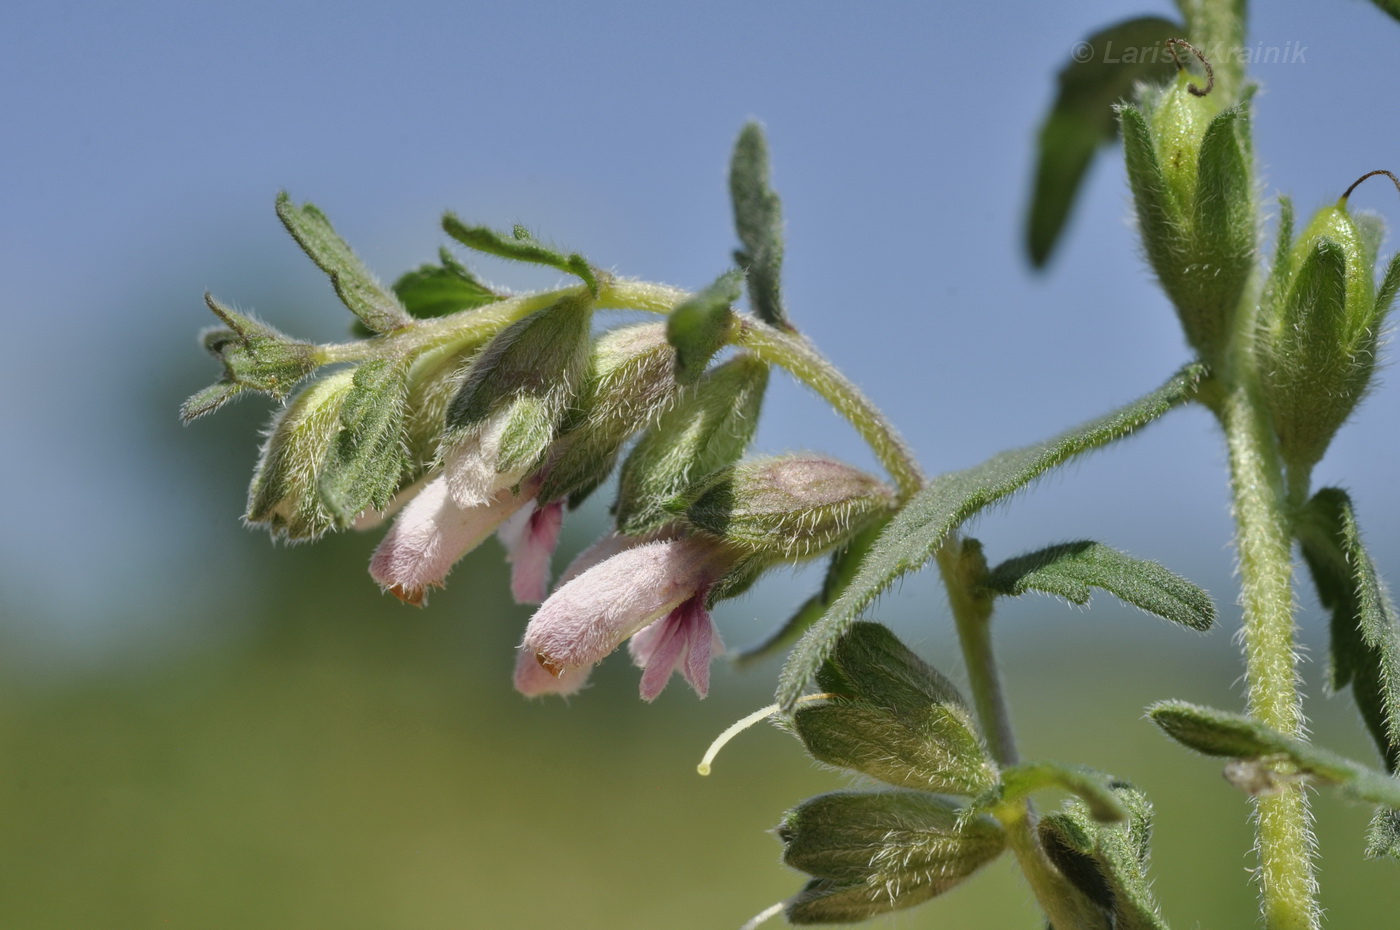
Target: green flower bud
894, 718
1319, 325
632, 381
1189, 168
285, 492
787, 507
874, 853
515, 396
255, 355
709, 427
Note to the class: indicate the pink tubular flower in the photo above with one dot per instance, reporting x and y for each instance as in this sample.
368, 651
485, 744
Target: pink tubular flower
431, 533
591, 615
530, 537
532, 680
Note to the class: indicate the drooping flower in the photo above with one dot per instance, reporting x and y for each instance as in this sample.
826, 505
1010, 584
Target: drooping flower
431, 533
532, 680
530, 536
592, 614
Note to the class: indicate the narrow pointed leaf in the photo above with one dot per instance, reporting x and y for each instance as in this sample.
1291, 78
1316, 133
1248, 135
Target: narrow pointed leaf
520, 247
758, 218
1365, 643
1082, 118
1235, 736
376, 307
208, 400
702, 325
1107, 862
1069, 570
921, 527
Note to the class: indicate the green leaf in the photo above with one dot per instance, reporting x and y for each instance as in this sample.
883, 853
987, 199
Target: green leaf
437, 290
925, 523
875, 853
1069, 570
208, 400
1365, 644
520, 247
1383, 835
702, 325
257, 356
1107, 862
1093, 788
839, 572
1221, 733
376, 307
758, 217
1390, 6
708, 429
368, 460
1082, 117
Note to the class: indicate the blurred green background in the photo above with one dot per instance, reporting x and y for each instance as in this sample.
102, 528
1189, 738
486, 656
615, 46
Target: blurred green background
201, 730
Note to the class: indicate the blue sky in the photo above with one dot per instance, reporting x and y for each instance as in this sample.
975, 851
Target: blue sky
143, 144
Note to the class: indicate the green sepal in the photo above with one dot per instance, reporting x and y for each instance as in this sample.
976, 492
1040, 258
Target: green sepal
438, 290
1161, 224
368, 461
845, 561
1070, 570
1364, 649
758, 218
1082, 120
255, 355
1390, 287
709, 427
875, 853
528, 432
1383, 835
1220, 733
365, 297
520, 247
631, 383
209, 399
543, 356
784, 507
1019, 782
1223, 222
1107, 862
702, 325
1282, 268
285, 491
889, 715
920, 528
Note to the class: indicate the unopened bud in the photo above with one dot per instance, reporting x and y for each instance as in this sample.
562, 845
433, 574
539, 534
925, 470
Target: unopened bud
786, 507
874, 853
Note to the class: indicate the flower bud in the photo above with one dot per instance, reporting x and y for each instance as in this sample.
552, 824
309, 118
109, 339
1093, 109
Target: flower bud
893, 717
516, 393
874, 853
1319, 325
1189, 169
631, 382
256, 356
786, 507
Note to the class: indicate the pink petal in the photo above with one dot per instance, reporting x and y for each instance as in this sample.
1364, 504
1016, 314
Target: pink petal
587, 618
685, 641
430, 535
371, 518
531, 554
532, 680
667, 651
604, 549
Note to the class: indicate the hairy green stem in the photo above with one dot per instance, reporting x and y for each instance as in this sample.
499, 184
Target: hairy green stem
1287, 885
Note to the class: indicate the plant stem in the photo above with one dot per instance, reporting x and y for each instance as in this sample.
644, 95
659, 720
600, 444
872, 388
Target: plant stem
1263, 536
963, 568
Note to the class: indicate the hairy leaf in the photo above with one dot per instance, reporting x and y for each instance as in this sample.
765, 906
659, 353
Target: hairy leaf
700, 327
1365, 645
925, 523
758, 217
368, 460
1069, 570
437, 290
1104, 69
376, 307
520, 247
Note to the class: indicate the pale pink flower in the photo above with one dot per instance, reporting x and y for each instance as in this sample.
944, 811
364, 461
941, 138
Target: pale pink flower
530, 536
470, 465
685, 641
431, 533
532, 680
592, 614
